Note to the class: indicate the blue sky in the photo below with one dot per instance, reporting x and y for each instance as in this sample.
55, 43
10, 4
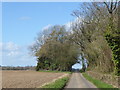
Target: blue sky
22, 21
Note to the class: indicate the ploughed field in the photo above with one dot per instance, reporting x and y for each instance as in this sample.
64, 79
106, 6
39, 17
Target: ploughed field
27, 79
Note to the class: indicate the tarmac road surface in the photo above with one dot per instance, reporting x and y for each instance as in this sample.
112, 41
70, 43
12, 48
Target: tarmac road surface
78, 81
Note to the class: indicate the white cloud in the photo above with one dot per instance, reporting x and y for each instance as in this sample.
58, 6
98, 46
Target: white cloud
68, 26
15, 55
10, 48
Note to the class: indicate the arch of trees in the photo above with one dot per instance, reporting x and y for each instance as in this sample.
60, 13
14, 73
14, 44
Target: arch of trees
95, 36
56, 52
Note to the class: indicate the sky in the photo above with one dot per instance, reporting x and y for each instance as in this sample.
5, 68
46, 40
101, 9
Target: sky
22, 21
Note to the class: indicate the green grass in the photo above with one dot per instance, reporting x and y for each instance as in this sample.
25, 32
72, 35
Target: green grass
54, 71
97, 83
58, 84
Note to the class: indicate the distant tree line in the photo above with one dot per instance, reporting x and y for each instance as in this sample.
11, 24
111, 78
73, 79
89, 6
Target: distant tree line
18, 68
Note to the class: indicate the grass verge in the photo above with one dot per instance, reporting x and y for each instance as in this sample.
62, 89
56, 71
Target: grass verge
96, 82
55, 71
59, 84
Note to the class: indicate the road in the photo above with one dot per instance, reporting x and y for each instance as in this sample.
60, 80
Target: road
78, 81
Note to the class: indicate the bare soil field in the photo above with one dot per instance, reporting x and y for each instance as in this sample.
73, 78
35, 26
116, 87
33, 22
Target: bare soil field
27, 79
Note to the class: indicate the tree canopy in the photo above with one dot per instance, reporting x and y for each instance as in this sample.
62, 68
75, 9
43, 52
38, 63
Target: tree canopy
57, 52
94, 35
